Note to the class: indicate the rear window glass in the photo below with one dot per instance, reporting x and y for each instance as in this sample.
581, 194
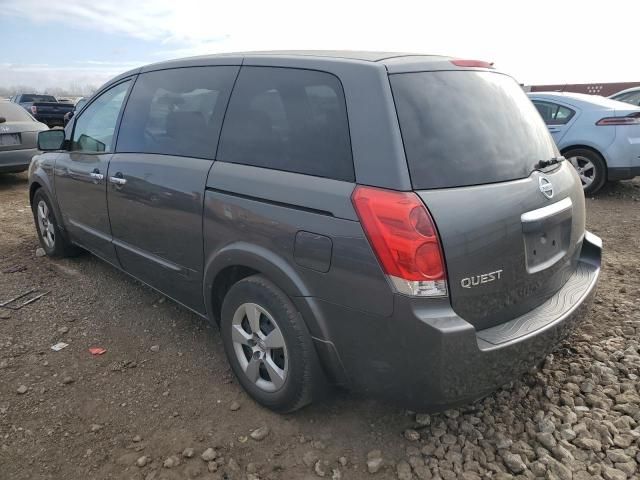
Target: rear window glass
468, 128
176, 112
288, 119
14, 113
552, 113
37, 98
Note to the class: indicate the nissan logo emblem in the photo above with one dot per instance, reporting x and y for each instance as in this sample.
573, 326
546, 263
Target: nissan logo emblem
546, 187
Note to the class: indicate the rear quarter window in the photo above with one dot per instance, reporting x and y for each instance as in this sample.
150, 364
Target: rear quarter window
176, 112
288, 119
554, 114
463, 128
37, 98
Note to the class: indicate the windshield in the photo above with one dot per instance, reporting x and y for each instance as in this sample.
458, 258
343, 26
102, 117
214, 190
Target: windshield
78, 106
468, 128
14, 113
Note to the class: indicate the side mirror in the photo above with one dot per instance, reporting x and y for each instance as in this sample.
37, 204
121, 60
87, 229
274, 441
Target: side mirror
2, 119
50, 140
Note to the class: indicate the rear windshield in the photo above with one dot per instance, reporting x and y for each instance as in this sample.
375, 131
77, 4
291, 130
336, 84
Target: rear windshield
467, 128
38, 98
14, 113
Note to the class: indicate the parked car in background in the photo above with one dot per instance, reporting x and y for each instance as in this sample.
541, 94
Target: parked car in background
630, 95
306, 203
18, 137
76, 108
599, 136
45, 108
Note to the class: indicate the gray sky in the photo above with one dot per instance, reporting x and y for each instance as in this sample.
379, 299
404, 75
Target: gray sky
60, 43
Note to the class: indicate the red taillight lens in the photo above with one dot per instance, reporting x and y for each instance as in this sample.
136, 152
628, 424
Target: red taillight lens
34, 109
632, 119
471, 63
404, 238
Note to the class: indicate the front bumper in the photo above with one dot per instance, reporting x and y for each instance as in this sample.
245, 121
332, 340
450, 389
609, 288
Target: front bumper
16, 160
427, 358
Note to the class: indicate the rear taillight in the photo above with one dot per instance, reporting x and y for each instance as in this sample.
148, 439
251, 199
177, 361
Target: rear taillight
404, 238
633, 119
458, 62
34, 109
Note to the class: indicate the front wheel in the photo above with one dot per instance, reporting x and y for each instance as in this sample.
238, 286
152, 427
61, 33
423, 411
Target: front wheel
268, 346
54, 243
591, 168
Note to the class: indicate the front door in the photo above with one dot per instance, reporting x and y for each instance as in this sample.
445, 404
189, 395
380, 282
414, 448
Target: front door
81, 173
166, 146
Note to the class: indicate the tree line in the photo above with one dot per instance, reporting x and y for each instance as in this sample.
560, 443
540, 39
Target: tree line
73, 90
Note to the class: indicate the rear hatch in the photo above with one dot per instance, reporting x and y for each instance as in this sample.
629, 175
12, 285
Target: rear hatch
511, 228
19, 135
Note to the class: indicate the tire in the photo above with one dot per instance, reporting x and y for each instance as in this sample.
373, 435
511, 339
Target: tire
254, 356
52, 240
591, 168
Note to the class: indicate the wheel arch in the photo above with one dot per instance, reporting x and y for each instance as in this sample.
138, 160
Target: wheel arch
40, 183
240, 260
35, 185
585, 147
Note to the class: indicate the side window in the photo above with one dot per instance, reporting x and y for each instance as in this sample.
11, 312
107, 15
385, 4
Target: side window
554, 114
94, 129
177, 111
632, 97
563, 115
288, 119
547, 110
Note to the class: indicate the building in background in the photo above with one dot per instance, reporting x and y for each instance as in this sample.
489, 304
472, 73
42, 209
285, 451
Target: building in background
604, 89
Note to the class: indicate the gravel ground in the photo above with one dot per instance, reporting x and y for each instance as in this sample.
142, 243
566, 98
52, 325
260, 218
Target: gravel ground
161, 403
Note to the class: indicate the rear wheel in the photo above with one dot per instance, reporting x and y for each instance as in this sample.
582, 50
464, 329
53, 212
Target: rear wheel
268, 346
54, 243
591, 168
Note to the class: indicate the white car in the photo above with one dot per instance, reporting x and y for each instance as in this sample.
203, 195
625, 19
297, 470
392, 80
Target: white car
630, 95
598, 135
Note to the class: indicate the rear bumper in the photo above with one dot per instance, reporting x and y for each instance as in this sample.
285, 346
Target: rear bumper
16, 160
426, 357
623, 173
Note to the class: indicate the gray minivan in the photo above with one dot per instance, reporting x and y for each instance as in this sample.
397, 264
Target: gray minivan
402, 225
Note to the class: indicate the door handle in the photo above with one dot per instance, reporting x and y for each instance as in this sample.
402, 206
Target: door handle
118, 179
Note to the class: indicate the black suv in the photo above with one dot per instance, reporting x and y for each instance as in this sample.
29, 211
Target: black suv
399, 224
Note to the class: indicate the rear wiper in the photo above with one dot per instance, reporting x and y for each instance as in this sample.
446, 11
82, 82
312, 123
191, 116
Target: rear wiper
551, 161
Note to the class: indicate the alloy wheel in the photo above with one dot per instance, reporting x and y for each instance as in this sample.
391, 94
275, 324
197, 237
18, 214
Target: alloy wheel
585, 168
259, 347
47, 229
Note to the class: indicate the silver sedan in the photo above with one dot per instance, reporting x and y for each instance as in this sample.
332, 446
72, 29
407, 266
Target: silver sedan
18, 137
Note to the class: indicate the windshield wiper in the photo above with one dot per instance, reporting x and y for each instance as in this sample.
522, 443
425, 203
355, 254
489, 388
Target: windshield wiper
551, 161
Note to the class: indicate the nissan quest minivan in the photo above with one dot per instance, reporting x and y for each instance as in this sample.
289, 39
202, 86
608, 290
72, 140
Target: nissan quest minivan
401, 225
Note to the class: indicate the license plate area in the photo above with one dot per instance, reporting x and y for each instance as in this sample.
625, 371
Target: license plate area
8, 139
547, 234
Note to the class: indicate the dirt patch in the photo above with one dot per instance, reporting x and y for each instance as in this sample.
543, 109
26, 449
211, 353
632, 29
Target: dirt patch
164, 386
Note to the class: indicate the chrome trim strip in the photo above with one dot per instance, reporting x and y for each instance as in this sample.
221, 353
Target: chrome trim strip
546, 212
